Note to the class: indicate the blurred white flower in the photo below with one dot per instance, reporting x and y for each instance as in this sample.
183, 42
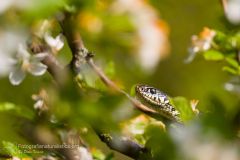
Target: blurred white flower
42, 31
83, 154
232, 10
38, 105
233, 85
55, 43
25, 62
197, 146
6, 64
41, 100
152, 31
46, 157
15, 158
6, 4
9, 39
200, 43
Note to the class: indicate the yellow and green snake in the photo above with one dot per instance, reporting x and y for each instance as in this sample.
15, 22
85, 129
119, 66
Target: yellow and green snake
158, 101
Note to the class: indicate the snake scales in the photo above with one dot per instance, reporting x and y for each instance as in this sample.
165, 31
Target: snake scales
158, 101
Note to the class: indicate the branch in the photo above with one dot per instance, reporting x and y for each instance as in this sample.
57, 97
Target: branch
123, 145
80, 54
69, 29
54, 67
5, 156
59, 75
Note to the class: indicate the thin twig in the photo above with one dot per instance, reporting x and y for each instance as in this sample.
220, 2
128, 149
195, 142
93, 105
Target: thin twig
113, 86
79, 52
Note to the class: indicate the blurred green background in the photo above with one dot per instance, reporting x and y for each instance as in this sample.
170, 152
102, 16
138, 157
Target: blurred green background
202, 80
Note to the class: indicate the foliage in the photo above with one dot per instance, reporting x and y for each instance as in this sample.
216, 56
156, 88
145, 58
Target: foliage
84, 98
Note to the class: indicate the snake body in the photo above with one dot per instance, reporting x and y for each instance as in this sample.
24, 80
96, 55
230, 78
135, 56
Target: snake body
158, 101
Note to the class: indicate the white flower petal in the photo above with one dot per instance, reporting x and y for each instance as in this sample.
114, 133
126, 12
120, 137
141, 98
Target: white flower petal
37, 69
40, 56
232, 11
59, 42
56, 43
17, 76
6, 64
38, 104
83, 153
22, 52
4, 5
192, 54
49, 40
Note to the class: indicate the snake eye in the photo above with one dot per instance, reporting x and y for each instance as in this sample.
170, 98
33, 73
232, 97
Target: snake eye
140, 89
152, 91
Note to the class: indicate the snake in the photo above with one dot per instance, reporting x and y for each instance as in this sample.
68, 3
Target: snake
158, 101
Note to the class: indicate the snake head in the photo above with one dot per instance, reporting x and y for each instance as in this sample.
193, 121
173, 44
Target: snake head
157, 100
151, 95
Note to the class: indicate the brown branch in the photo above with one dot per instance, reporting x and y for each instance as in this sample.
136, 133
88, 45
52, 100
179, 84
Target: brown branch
113, 86
80, 54
54, 67
59, 74
5, 156
123, 145
67, 22
102, 75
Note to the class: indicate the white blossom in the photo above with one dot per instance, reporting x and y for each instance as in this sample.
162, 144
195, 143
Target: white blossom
233, 85
198, 146
152, 32
41, 100
55, 43
232, 11
6, 63
83, 154
15, 158
25, 62
201, 42
9, 39
6, 4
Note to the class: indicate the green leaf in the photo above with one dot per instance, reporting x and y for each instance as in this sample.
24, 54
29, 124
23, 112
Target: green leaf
43, 8
213, 55
230, 70
132, 91
7, 106
237, 38
110, 156
110, 69
184, 107
98, 155
220, 37
12, 149
21, 111
233, 62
